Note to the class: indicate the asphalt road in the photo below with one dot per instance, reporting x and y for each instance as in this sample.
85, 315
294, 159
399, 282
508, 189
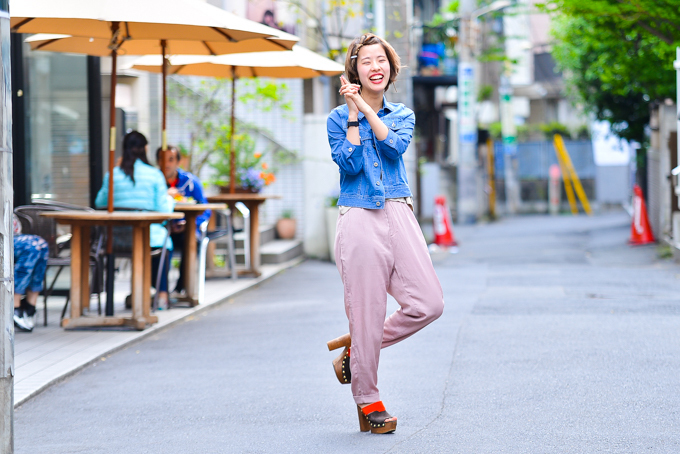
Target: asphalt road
557, 337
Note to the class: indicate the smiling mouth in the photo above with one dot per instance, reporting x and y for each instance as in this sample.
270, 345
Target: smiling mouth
376, 78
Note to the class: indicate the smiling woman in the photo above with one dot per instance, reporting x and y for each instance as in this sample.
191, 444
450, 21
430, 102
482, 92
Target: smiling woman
379, 246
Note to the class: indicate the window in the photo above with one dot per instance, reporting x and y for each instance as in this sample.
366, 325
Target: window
59, 127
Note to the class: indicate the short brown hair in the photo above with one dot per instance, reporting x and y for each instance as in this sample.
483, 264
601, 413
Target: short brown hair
170, 148
369, 39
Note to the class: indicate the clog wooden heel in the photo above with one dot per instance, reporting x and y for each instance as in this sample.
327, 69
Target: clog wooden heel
341, 367
342, 341
375, 418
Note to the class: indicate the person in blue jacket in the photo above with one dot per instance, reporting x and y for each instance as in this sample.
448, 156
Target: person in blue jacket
138, 185
185, 184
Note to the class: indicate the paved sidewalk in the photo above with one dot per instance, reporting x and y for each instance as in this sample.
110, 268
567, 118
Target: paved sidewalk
50, 353
557, 337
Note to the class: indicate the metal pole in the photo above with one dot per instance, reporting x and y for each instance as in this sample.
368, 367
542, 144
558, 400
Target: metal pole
6, 245
466, 206
110, 257
232, 158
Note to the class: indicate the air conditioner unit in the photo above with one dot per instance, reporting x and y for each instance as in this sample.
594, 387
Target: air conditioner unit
675, 181
676, 229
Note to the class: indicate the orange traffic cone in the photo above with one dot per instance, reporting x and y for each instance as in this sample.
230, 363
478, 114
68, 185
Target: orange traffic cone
443, 226
640, 231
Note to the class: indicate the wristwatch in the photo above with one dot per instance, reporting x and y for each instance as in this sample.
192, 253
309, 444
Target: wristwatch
352, 123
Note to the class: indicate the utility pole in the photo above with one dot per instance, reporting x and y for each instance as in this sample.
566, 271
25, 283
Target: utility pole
467, 158
509, 132
676, 65
6, 242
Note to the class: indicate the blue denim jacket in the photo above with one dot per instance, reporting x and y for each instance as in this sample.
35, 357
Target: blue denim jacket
373, 171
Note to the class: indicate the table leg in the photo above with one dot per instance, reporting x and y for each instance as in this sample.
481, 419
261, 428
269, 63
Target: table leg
209, 262
85, 268
76, 271
146, 248
255, 238
138, 274
190, 270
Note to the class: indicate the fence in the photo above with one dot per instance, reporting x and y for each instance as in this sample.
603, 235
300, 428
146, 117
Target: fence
534, 160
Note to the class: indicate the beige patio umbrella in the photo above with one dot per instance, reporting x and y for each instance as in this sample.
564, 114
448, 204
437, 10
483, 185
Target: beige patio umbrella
140, 27
299, 63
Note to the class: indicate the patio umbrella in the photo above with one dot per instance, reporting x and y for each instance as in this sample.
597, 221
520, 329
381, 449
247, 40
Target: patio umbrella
98, 27
299, 63
140, 27
280, 41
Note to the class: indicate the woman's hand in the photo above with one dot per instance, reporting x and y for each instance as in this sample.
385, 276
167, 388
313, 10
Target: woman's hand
350, 92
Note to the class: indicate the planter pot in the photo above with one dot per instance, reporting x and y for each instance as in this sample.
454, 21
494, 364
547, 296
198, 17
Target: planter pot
285, 228
239, 190
331, 226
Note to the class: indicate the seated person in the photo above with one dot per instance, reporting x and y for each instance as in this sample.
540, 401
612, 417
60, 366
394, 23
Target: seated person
138, 185
30, 262
185, 184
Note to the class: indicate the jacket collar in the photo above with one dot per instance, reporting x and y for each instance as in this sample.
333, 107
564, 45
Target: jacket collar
386, 108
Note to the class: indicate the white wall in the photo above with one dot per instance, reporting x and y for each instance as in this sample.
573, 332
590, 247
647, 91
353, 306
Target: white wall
321, 177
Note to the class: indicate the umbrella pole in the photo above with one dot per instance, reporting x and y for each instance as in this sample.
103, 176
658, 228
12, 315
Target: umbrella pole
232, 163
164, 137
110, 258
112, 129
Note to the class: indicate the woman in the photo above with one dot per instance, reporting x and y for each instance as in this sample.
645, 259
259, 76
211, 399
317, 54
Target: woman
138, 185
379, 247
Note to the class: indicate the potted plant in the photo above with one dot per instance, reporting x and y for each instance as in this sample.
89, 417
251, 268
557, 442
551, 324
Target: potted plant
252, 173
285, 226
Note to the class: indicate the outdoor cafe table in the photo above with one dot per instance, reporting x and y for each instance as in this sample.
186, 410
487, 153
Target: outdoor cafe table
252, 202
191, 212
81, 222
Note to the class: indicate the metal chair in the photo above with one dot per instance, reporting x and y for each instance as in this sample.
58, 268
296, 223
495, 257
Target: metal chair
33, 223
207, 237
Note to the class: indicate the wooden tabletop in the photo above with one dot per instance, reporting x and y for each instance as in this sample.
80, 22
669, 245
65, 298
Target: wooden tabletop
114, 216
199, 206
242, 197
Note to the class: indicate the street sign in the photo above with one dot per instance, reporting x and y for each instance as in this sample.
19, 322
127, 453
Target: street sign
466, 103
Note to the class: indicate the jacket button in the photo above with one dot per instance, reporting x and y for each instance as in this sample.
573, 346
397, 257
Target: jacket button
378, 183
375, 164
393, 125
391, 141
350, 148
377, 204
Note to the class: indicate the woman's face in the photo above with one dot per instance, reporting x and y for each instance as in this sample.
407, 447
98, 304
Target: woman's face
373, 68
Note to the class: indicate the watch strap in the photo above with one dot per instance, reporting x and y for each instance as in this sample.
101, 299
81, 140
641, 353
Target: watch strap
352, 123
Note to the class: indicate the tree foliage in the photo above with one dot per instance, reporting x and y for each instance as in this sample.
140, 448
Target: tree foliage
612, 64
329, 21
652, 18
205, 108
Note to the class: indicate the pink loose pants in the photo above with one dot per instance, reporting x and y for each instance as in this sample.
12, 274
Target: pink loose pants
379, 252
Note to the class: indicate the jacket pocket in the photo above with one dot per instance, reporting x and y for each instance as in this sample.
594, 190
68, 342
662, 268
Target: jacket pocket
352, 184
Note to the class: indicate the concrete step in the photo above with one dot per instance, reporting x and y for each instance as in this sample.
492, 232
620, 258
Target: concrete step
267, 234
279, 251
272, 252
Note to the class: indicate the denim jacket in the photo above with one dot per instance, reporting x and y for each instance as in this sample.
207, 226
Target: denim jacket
373, 171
